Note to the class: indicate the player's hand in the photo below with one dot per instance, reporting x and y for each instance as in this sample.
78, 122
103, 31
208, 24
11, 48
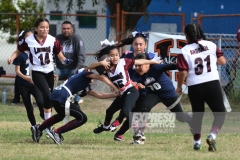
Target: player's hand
105, 63
29, 79
55, 77
67, 61
141, 86
179, 91
159, 61
10, 60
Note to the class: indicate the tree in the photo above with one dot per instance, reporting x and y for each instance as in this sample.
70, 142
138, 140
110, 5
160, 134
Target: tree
9, 13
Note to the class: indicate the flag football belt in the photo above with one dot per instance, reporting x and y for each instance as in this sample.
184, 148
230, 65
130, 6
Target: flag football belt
127, 84
67, 105
176, 102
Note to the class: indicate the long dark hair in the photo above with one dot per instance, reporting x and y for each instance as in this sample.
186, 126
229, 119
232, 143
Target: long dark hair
105, 51
195, 32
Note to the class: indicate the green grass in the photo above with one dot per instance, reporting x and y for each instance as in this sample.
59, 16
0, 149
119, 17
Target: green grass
82, 143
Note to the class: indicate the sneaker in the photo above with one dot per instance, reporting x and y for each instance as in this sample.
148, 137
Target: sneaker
47, 131
137, 142
139, 136
36, 133
114, 125
101, 128
57, 138
197, 147
211, 143
118, 137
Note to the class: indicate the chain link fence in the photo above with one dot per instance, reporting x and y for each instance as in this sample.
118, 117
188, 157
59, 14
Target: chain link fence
102, 28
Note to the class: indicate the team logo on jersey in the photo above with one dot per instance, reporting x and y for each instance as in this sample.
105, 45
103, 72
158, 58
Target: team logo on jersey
153, 122
68, 48
149, 80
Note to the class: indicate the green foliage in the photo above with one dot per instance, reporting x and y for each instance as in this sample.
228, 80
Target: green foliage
8, 16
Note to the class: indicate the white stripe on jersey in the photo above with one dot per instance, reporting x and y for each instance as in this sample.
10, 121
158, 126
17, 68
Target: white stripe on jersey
42, 54
202, 66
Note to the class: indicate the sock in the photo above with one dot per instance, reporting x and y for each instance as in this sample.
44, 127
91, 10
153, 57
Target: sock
197, 138
214, 131
197, 141
47, 115
213, 135
106, 124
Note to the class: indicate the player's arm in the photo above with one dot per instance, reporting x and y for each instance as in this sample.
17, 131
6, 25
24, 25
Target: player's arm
220, 58
101, 95
105, 80
19, 73
171, 66
145, 61
13, 56
103, 63
181, 78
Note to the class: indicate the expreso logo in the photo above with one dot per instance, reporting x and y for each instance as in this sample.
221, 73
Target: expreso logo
154, 120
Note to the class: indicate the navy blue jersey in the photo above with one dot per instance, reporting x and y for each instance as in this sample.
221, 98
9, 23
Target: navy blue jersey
157, 82
77, 83
23, 61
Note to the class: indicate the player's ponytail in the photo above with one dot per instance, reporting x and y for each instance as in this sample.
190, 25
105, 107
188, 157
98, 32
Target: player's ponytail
191, 30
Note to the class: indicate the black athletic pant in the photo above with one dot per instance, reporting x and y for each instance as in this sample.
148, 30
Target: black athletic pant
75, 111
137, 108
16, 90
26, 91
44, 82
125, 103
209, 92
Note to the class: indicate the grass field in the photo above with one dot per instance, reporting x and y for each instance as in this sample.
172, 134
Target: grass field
82, 143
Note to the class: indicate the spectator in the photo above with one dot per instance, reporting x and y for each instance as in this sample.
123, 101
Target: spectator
73, 48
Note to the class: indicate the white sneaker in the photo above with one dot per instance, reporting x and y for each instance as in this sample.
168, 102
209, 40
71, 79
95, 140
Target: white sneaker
47, 131
137, 142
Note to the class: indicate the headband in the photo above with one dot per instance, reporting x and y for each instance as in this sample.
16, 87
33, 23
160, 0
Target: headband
105, 43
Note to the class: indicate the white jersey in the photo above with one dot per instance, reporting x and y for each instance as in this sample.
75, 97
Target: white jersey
120, 77
202, 66
41, 55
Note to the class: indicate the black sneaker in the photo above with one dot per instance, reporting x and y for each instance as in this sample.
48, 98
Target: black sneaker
197, 147
36, 133
57, 138
101, 128
211, 144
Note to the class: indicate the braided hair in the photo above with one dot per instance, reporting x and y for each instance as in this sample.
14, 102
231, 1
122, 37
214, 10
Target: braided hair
194, 33
200, 33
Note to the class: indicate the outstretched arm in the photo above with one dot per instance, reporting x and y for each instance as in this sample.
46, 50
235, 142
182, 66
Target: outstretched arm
145, 61
105, 80
103, 63
102, 95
